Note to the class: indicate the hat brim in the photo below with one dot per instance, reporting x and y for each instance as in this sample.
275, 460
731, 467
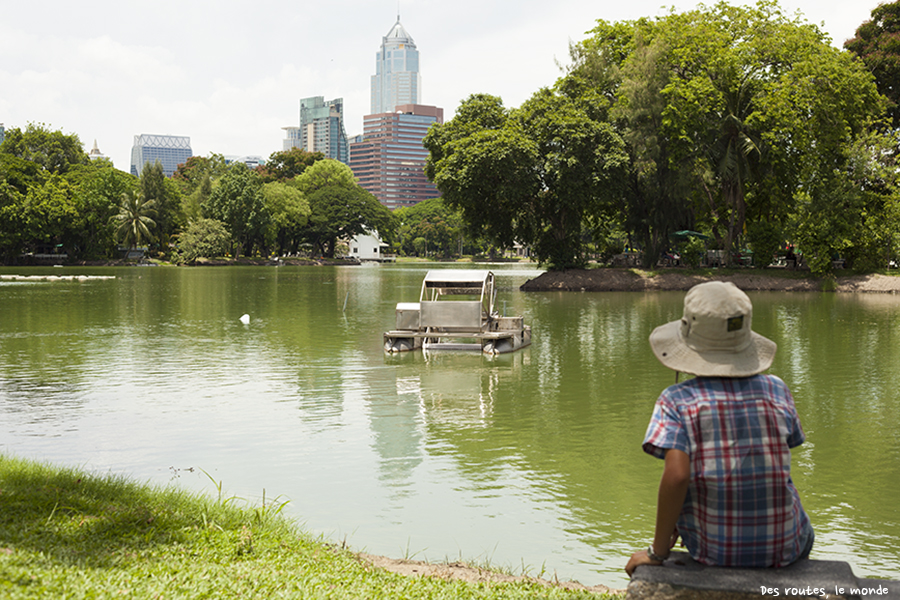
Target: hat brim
671, 350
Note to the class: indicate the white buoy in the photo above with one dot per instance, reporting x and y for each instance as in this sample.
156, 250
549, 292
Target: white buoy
245, 319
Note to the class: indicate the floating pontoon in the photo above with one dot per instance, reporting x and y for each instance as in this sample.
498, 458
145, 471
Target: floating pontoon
448, 317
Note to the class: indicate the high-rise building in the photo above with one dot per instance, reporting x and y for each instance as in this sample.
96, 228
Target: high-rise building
170, 150
321, 129
95, 153
390, 160
396, 80
2, 133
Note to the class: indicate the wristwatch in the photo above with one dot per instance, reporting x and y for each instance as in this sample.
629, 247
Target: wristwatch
654, 556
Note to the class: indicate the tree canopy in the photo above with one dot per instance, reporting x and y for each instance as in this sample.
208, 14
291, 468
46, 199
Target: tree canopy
548, 171
287, 164
340, 208
54, 151
731, 115
877, 43
237, 201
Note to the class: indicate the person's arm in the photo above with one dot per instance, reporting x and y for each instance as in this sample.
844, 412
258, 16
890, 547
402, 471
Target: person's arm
672, 489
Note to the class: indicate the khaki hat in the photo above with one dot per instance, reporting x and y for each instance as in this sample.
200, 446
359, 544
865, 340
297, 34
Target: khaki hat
713, 338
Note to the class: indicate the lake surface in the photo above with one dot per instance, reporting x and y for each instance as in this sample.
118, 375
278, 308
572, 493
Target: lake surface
526, 461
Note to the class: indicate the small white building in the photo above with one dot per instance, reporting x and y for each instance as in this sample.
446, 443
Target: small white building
368, 246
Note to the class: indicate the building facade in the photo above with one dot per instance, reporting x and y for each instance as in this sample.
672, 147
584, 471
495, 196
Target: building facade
170, 150
389, 162
321, 129
396, 80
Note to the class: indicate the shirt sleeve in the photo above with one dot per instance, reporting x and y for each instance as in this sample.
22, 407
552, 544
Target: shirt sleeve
796, 435
666, 430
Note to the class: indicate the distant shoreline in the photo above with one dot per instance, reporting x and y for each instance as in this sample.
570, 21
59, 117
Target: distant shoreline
635, 280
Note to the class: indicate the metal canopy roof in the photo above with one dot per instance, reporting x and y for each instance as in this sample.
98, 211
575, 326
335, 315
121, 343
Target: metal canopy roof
457, 276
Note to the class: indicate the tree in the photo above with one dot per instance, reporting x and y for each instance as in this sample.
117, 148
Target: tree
855, 214
238, 202
287, 164
340, 208
289, 212
167, 201
133, 222
54, 151
98, 188
747, 106
877, 43
192, 173
544, 174
439, 227
203, 238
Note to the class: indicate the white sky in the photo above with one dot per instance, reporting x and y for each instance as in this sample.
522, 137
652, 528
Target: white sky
230, 74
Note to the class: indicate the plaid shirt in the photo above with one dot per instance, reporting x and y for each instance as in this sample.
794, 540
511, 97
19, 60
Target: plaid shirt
741, 508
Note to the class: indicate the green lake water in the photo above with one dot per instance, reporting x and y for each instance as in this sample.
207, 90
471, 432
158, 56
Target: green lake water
525, 461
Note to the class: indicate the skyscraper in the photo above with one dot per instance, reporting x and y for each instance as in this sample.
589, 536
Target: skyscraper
170, 150
389, 162
396, 80
321, 129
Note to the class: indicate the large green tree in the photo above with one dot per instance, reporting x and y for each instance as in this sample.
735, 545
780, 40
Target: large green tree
340, 208
55, 151
238, 202
166, 195
730, 114
438, 226
203, 238
287, 164
289, 212
545, 174
877, 43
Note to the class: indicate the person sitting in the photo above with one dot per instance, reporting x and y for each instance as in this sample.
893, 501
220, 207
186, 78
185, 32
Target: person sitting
725, 436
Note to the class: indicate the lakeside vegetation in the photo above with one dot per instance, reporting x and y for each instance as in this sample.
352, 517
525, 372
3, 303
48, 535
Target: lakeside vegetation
68, 534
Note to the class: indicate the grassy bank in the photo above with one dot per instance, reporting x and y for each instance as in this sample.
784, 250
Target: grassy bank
66, 534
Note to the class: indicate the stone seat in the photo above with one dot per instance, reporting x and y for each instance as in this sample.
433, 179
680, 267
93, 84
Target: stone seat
682, 578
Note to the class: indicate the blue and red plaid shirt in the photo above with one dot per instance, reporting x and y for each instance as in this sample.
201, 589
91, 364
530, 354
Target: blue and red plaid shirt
741, 508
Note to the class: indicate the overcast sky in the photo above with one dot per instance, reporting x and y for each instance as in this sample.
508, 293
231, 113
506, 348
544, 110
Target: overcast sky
230, 74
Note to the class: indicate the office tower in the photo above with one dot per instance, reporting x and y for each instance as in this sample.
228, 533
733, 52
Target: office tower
396, 80
170, 150
2, 133
321, 129
390, 160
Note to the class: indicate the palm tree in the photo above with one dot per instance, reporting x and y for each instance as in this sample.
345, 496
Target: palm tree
133, 220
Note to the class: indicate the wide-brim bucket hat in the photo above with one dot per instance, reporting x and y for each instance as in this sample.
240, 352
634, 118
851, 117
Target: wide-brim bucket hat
714, 337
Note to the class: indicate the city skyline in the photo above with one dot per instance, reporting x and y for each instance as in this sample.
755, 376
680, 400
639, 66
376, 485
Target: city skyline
230, 78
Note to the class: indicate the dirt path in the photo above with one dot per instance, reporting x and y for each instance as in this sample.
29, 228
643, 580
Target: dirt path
633, 280
463, 572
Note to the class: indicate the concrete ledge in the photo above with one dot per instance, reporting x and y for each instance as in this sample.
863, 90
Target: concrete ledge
682, 578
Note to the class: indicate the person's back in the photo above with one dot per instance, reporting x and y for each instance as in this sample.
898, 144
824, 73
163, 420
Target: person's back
726, 436
741, 508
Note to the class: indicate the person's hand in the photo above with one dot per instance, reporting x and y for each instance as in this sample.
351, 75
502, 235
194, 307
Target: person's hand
637, 559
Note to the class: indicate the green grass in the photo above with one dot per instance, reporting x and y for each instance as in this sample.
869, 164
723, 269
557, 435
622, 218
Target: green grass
67, 534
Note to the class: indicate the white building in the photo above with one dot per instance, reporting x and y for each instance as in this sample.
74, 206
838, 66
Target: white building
368, 246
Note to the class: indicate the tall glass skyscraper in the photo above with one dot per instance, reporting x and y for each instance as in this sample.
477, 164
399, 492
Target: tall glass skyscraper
170, 150
321, 129
396, 80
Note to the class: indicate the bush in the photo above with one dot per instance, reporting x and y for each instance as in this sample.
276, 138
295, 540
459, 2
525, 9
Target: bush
692, 251
204, 238
765, 239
